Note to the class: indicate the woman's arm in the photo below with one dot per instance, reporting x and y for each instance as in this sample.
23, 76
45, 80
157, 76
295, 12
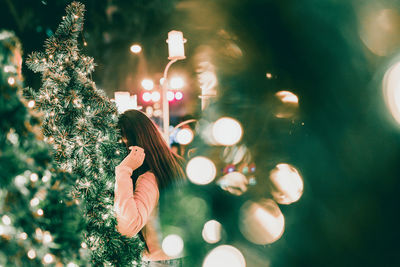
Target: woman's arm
133, 208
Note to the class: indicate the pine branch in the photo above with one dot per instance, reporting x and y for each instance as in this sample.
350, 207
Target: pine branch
81, 124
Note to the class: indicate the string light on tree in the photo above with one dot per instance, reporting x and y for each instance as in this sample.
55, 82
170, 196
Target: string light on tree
31, 254
23, 236
40, 212
136, 48
34, 177
34, 202
77, 137
48, 258
11, 81
6, 220
31, 103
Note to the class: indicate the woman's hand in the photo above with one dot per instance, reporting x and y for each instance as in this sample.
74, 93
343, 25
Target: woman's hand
135, 158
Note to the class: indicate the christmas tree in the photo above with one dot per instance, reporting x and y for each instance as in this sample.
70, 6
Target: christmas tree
40, 222
80, 122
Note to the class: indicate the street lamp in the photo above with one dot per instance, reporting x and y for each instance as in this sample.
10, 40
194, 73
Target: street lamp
176, 52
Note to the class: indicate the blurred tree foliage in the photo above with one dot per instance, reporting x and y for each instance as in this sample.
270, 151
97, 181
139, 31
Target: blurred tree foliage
40, 221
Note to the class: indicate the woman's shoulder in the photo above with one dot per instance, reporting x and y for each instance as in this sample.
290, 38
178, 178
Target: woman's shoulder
148, 176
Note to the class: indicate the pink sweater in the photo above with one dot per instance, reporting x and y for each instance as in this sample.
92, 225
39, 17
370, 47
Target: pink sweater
137, 210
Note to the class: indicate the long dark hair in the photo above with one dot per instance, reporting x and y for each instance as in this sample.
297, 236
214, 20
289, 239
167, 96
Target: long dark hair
139, 130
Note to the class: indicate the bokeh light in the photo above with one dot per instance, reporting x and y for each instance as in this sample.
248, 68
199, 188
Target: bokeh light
261, 222
201, 170
34, 201
155, 96
47, 238
11, 80
206, 132
212, 231
48, 258
147, 84
227, 131
234, 182
136, 49
170, 96
176, 83
391, 90
34, 177
379, 28
31, 103
146, 96
31, 254
178, 95
172, 245
23, 236
287, 184
224, 256
6, 220
184, 136
288, 104
40, 212
236, 154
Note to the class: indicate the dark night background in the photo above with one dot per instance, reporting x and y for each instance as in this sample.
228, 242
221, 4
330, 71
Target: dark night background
343, 141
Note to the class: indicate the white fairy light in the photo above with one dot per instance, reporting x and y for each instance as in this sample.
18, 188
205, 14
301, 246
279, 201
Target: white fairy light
48, 258
6, 220
20, 180
11, 80
47, 238
31, 254
135, 48
31, 103
34, 177
23, 236
46, 177
34, 202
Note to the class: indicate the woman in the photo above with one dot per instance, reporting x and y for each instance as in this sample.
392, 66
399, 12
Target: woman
149, 168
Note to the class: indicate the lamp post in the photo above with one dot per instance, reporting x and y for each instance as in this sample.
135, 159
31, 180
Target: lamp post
176, 52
